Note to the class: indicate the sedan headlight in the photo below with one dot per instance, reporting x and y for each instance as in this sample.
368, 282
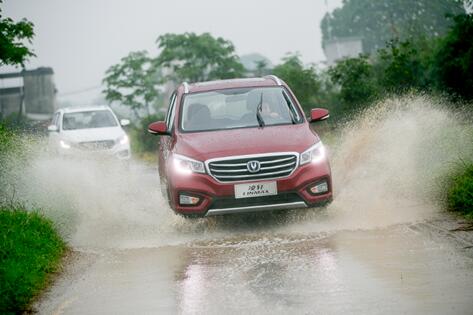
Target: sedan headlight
314, 154
64, 144
185, 165
123, 139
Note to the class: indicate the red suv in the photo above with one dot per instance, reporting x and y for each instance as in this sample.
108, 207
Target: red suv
240, 145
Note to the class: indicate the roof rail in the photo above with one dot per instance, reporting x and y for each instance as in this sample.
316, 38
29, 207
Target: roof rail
186, 87
274, 78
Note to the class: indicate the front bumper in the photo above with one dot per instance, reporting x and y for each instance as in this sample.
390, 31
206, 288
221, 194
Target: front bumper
219, 198
119, 151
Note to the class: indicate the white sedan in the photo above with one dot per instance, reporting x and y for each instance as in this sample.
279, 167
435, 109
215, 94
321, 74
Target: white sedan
88, 131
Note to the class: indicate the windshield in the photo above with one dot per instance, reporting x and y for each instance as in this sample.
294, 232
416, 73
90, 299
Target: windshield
89, 119
238, 108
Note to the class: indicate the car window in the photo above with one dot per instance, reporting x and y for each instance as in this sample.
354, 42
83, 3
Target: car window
88, 119
238, 108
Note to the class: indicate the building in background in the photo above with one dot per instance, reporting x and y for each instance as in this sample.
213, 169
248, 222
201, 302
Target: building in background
28, 93
340, 48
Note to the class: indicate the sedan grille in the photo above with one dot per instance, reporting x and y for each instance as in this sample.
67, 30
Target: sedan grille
96, 145
243, 168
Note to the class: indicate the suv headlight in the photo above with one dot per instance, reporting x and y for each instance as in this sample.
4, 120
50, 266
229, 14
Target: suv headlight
314, 154
185, 165
123, 139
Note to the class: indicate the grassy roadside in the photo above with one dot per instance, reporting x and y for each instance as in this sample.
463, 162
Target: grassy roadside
460, 193
30, 251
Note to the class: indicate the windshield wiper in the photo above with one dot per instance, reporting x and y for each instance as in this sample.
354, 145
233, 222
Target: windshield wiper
259, 109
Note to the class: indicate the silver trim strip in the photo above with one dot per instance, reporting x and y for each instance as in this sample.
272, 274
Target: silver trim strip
186, 87
230, 171
276, 161
230, 165
207, 162
275, 79
278, 206
278, 166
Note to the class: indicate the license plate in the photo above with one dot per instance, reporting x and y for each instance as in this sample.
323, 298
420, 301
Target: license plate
256, 190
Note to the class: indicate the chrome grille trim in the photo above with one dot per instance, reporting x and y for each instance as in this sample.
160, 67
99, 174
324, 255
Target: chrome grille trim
276, 161
228, 172
253, 175
277, 166
244, 169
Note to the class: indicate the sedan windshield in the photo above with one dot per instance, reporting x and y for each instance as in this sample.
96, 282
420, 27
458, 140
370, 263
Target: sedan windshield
89, 119
238, 108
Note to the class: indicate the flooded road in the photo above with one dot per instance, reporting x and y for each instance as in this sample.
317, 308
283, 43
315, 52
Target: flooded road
409, 269
383, 246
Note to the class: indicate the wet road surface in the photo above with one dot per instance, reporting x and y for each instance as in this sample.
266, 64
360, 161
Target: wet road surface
405, 268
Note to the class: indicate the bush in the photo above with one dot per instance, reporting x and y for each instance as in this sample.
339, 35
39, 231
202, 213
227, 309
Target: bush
404, 65
453, 62
30, 250
141, 141
354, 76
6, 139
460, 193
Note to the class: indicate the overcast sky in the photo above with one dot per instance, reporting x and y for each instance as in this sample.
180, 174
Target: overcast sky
81, 39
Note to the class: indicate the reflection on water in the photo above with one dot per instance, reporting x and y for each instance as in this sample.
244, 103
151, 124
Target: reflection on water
393, 270
379, 271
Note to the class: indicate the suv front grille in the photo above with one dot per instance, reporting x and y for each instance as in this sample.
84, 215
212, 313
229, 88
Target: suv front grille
96, 145
238, 169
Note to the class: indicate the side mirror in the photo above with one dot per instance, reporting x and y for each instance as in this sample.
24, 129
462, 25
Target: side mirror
318, 114
158, 128
53, 128
124, 122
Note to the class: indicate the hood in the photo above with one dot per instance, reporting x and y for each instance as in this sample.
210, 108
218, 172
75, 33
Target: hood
94, 134
212, 144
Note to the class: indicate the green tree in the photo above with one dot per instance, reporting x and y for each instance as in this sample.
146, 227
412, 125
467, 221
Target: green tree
195, 58
377, 22
355, 78
405, 65
13, 39
453, 60
304, 82
134, 82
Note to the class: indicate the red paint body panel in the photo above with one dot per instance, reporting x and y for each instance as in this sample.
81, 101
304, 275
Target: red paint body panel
211, 144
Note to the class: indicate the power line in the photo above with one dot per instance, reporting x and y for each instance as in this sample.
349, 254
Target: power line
91, 88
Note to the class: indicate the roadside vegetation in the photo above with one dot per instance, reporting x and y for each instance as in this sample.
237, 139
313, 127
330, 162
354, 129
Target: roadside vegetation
30, 252
30, 247
460, 192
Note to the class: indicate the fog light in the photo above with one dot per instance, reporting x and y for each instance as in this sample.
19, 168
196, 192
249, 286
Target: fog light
188, 200
319, 188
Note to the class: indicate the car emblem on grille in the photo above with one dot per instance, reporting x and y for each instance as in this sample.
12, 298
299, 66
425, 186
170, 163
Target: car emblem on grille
253, 166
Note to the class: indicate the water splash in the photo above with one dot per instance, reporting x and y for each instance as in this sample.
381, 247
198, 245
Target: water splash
386, 166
